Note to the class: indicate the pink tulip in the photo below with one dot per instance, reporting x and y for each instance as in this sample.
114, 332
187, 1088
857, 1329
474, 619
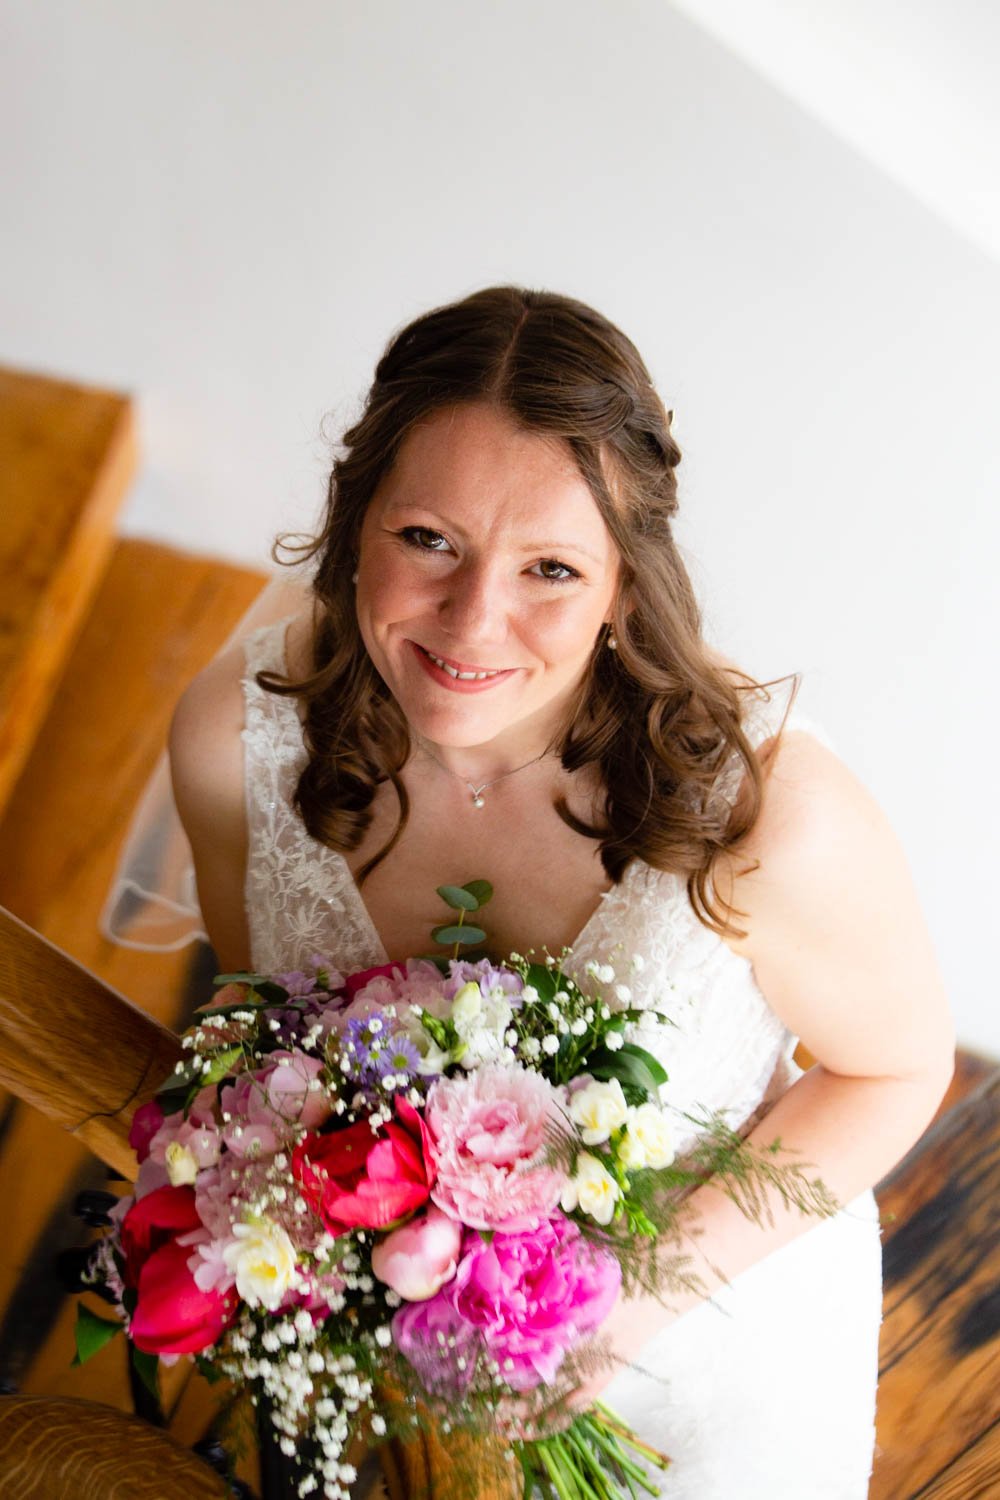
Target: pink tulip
172, 1314
417, 1259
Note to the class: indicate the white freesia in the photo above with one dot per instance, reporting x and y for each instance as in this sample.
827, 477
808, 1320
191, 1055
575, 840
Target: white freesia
181, 1164
593, 1189
263, 1261
647, 1141
481, 1022
598, 1109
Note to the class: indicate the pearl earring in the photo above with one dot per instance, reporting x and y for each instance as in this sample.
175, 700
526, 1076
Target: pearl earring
612, 641
354, 577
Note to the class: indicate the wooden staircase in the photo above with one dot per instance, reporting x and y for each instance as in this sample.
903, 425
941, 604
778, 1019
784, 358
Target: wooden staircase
98, 636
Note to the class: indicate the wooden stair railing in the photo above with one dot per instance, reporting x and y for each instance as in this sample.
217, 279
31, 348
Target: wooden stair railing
87, 1058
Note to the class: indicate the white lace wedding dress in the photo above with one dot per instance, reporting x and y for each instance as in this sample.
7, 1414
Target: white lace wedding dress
768, 1391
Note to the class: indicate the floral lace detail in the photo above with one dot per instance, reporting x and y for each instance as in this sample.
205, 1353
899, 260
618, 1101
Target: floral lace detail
726, 1049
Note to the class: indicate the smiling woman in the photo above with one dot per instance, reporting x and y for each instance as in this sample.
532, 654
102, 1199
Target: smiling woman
499, 609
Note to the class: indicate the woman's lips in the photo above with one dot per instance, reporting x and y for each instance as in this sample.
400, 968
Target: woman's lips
457, 684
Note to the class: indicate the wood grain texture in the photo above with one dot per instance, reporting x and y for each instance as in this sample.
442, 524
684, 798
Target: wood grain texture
74, 1048
939, 1375
76, 1450
67, 456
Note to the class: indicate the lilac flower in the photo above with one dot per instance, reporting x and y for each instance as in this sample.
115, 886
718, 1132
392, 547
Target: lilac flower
296, 983
488, 976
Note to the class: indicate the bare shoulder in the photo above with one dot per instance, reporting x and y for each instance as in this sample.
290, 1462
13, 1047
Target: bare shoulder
835, 931
206, 768
205, 736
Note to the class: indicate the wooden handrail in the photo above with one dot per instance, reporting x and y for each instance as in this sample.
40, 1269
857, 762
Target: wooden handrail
73, 1047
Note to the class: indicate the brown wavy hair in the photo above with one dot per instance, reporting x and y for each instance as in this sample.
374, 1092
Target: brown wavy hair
659, 716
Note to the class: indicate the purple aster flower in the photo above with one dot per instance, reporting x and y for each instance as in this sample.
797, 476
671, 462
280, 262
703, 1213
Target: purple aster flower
399, 1056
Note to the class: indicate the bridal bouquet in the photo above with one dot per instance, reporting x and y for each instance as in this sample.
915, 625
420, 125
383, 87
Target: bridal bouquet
418, 1188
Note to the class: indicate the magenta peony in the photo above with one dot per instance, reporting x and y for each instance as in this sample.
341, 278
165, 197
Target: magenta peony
490, 1132
438, 1342
532, 1296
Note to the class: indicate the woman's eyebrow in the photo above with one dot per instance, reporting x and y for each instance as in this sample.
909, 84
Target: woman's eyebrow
451, 526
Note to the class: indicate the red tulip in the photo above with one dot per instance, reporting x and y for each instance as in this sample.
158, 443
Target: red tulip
355, 1179
172, 1314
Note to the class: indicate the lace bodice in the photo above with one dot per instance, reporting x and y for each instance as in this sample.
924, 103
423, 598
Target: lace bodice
726, 1050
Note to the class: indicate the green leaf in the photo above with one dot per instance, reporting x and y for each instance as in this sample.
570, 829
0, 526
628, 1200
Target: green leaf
457, 898
220, 1065
244, 978
146, 1366
181, 1078
207, 1370
466, 935
481, 889
633, 1065
92, 1333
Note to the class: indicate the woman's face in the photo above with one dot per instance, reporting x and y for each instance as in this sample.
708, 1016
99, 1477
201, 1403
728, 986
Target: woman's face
485, 549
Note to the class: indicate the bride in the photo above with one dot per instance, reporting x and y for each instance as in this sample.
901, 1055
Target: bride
501, 674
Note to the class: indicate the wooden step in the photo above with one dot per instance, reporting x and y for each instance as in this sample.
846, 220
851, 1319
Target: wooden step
157, 618
67, 457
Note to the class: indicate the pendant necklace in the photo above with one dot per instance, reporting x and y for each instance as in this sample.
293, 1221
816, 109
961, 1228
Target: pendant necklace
477, 791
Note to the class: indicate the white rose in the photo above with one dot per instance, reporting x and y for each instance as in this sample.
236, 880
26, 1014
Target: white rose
598, 1109
593, 1189
647, 1140
263, 1262
181, 1164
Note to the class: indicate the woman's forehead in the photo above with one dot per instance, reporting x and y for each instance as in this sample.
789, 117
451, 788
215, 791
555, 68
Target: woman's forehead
477, 462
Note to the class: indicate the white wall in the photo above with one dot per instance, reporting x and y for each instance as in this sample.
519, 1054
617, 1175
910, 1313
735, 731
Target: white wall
226, 208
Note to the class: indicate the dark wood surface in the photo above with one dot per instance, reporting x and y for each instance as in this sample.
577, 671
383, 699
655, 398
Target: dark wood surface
53, 1449
939, 1367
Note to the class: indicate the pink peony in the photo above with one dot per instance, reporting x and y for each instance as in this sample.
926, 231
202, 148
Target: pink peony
417, 1259
490, 1132
532, 1296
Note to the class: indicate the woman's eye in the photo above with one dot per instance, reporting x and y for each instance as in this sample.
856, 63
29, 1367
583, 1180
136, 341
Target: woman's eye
562, 573
417, 536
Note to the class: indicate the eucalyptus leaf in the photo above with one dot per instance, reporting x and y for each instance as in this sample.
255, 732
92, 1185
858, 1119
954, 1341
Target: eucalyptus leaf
467, 935
92, 1333
458, 898
481, 889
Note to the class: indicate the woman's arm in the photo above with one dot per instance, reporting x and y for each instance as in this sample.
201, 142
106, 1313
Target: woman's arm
206, 769
841, 950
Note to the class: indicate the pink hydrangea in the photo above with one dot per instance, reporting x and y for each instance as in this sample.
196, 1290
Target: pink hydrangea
490, 1128
288, 1089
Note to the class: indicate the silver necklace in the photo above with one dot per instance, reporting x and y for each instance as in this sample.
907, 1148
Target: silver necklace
477, 791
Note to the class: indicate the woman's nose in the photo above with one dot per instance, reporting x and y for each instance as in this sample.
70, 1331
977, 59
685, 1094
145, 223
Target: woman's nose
474, 603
